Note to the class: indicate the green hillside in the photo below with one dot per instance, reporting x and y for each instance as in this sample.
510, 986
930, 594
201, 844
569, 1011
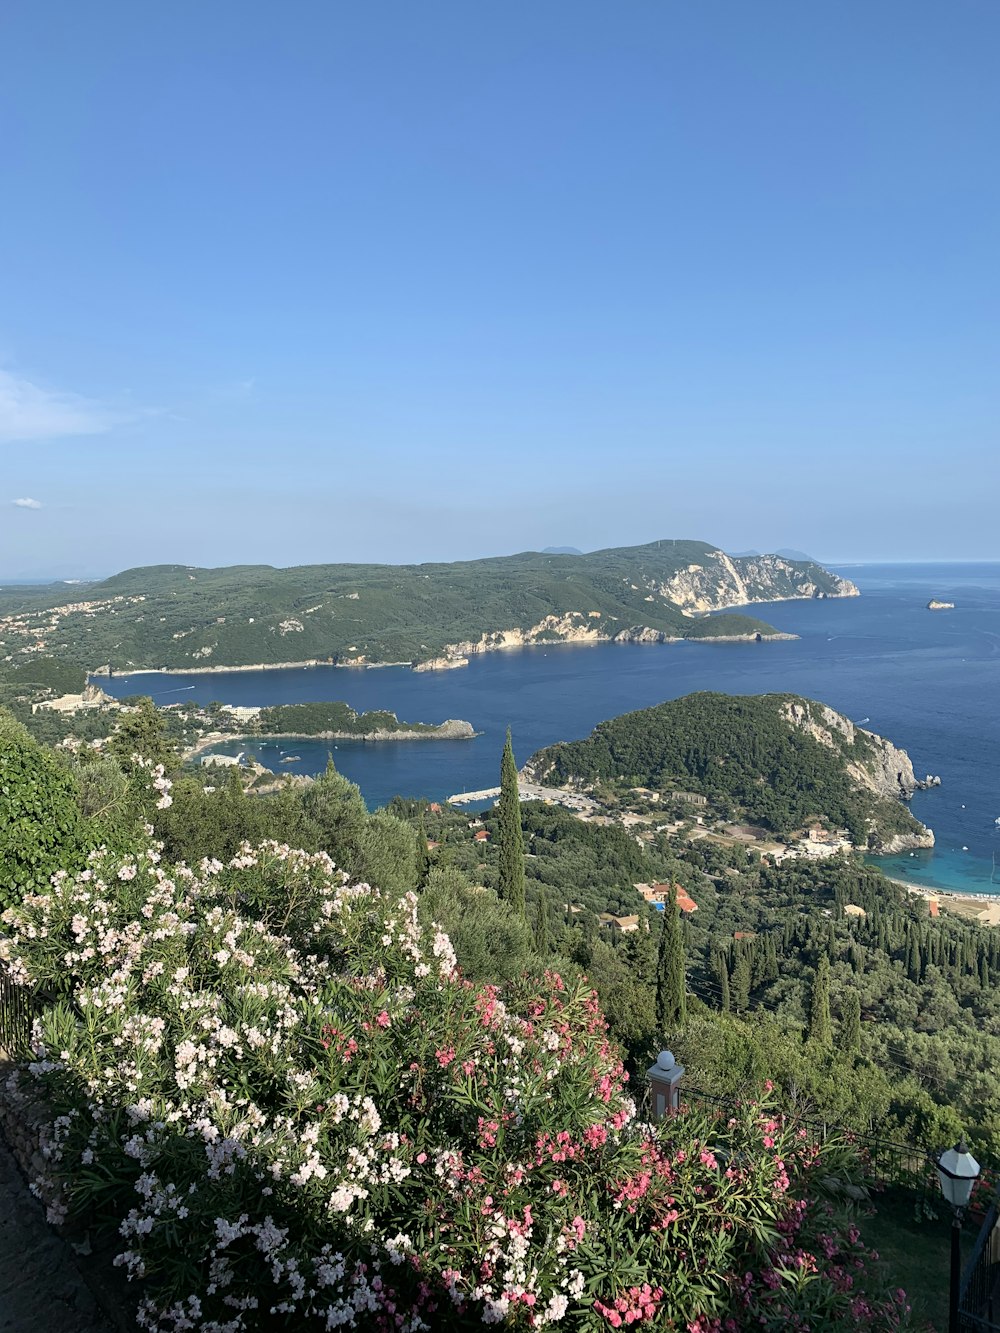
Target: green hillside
754, 757
180, 617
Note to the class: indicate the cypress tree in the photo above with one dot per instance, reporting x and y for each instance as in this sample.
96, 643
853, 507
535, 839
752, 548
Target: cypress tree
542, 923
771, 959
511, 880
913, 959
820, 1027
423, 852
739, 985
722, 972
850, 1026
671, 1000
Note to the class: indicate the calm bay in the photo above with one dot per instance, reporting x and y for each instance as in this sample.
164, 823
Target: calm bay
928, 680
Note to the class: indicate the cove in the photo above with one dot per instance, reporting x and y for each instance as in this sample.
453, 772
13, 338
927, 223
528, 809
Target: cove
928, 680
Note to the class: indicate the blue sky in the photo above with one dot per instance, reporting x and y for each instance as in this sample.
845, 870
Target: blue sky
397, 281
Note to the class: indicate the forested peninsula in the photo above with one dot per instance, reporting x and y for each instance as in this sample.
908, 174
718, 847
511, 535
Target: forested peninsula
178, 617
777, 760
327, 721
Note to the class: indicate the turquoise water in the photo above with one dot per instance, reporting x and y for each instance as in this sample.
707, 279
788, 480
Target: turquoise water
928, 680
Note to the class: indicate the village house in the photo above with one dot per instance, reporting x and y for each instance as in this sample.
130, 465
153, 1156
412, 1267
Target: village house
658, 895
624, 925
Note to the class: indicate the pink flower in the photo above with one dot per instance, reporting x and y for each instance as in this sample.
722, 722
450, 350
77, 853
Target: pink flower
383, 1020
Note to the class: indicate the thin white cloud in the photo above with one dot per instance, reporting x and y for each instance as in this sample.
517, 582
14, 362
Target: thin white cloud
27, 503
30, 412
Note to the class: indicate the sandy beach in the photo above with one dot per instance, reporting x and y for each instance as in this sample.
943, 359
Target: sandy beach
981, 907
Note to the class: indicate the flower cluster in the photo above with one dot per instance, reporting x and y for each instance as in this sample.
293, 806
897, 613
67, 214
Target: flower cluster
305, 1116
160, 782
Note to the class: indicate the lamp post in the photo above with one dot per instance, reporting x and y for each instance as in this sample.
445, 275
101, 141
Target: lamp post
664, 1083
957, 1171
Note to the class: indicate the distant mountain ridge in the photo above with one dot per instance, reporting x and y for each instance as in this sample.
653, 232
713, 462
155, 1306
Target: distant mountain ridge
181, 617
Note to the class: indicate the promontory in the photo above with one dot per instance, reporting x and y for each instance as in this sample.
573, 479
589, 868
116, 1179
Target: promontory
789, 765
183, 618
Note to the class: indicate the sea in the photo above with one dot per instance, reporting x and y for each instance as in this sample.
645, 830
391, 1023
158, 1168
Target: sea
927, 680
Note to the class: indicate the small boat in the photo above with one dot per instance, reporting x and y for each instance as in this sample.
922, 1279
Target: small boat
291, 759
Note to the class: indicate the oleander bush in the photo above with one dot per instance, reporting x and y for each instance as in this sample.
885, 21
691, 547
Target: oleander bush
279, 1091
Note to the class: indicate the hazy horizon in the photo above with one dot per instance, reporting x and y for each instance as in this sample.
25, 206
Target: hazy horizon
9, 580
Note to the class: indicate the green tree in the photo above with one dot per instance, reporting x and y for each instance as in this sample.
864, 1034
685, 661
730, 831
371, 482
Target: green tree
386, 854
671, 1000
850, 1025
143, 731
740, 982
722, 972
41, 829
820, 1026
490, 941
542, 923
511, 837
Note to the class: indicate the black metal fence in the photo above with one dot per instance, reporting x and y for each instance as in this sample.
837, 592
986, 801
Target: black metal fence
17, 1009
979, 1294
882, 1162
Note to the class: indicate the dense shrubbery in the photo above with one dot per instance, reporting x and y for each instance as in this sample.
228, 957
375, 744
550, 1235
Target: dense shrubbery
156, 1010
40, 821
298, 1113
923, 1065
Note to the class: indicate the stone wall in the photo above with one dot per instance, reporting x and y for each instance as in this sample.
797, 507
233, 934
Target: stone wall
50, 1289
25, 1123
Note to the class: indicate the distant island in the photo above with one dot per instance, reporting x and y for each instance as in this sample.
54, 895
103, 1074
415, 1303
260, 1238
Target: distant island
790, 765
935, 605
183, 618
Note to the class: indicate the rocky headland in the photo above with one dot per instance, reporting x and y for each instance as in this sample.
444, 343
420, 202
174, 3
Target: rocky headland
742, 754
175, 618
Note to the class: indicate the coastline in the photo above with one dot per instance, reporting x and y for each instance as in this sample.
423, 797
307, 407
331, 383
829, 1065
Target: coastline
443, 662
981, 907
452, 730
219, 670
